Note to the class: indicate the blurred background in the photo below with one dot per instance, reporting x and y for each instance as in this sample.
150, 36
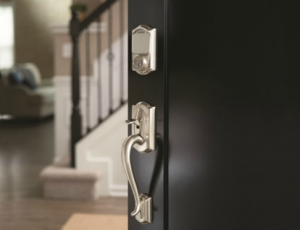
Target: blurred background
63, 94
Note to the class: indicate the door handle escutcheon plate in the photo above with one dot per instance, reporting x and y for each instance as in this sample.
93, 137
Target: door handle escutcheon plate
144, 114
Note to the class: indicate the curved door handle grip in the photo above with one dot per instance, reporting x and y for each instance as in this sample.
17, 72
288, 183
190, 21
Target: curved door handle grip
126, 149
143, 140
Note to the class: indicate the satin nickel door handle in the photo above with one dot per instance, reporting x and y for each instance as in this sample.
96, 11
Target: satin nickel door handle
142, 139
126, 149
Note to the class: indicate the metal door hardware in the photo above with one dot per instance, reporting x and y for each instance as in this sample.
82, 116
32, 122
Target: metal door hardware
143, 140
144, 49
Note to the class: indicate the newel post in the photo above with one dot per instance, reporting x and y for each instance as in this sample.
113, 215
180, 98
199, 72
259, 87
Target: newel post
76, 116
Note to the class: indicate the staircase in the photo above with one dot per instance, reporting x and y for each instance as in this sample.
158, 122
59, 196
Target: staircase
96, 137
76, 28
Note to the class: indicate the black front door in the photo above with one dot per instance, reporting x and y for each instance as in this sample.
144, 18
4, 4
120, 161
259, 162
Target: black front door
227, 95
149, 169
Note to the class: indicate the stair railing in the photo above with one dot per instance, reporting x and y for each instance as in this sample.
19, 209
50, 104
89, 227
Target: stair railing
77, 27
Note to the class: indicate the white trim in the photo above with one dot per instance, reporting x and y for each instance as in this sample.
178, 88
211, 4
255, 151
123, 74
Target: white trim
118, 186
118, 194
100, 150
119, 190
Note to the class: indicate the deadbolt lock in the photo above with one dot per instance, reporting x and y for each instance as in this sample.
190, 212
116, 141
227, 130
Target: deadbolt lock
144, 49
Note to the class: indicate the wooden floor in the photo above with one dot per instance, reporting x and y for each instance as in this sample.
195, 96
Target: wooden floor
25, 149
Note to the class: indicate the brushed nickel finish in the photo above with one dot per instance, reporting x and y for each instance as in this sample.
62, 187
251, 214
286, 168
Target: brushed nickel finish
144, 49
129, 142
142, 139
145, 214
144, 116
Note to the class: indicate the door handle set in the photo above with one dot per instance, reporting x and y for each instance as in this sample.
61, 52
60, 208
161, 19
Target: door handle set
143, 140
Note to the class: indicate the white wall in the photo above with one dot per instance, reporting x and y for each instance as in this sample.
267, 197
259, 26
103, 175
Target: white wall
101, 150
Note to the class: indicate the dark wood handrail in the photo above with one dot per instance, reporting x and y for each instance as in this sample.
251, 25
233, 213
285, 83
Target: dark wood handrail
95, 14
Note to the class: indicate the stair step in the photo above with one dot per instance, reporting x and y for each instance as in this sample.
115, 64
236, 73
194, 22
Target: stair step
68, 183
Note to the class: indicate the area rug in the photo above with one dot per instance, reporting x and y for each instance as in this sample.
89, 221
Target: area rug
80, 221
